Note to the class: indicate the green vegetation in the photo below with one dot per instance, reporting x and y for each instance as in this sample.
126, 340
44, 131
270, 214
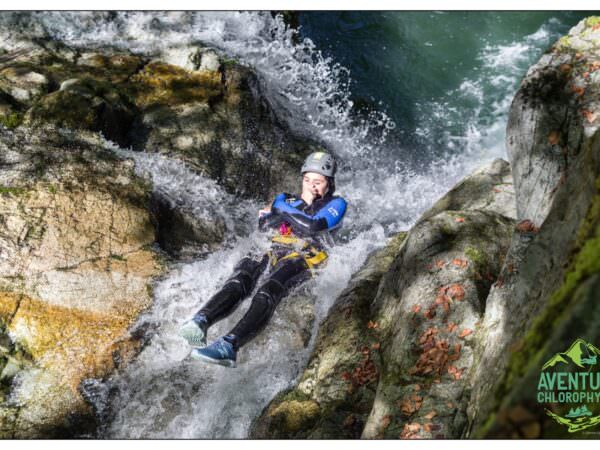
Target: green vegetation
12, 120
564, 42
592, 21
476, 256
226, 62
11, 190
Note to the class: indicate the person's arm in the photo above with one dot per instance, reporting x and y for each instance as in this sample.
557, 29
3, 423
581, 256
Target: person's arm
271, 219
302, 224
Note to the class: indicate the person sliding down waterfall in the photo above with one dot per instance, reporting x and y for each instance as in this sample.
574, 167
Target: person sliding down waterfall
302, 226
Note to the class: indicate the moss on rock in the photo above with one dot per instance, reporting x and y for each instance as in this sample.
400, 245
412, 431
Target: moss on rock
165, 84
12, 120
583, 264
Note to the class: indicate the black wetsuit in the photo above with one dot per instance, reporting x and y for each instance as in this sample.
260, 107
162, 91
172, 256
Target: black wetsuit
289, 266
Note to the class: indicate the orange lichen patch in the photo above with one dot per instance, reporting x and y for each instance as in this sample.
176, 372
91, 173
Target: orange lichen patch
462, 263
75, 343
385, 421
590, 116
8, 305
410, 431
526, 226
165, 84
430, 415
410, 404
364, 372
554, 137
579, 90
372, 324
465, 333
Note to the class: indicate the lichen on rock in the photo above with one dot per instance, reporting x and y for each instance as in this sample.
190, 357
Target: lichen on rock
75, 270
553, 143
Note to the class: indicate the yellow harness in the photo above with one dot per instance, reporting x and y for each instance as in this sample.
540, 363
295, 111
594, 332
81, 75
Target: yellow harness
312, 255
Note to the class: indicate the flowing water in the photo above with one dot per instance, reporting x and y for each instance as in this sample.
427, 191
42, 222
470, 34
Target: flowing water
410, 102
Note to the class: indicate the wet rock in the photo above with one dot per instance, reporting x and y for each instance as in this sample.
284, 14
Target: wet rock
218, 122
23, 84
489, 188
75, 271
428, 307
85, 104
553, 144
205, 59
210, 113
182, 234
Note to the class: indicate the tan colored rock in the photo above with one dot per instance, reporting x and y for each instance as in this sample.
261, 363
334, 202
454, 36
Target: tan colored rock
23, 84
75, 271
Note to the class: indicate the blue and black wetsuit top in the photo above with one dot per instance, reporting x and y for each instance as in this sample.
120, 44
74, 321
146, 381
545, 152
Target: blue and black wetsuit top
315, 222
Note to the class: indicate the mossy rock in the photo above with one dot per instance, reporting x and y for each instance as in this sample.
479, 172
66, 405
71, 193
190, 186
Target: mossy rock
86, 104
12, 120
22, 83
291, 416
580, 286
165, 84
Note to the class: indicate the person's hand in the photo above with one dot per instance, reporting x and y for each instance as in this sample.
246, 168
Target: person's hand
264, 211
309, 196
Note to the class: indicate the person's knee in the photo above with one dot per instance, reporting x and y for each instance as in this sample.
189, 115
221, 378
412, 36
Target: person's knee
241, 280
247, 272
273, 288
268, 296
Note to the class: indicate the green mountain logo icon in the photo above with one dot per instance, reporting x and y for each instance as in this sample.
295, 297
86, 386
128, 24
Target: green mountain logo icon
580, 353
579, 412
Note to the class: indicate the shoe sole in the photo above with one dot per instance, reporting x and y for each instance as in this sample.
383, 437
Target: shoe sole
220, 362
194, 337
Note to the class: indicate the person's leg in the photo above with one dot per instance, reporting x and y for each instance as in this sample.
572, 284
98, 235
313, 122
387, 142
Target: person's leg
235, 289
287, 274
224, 302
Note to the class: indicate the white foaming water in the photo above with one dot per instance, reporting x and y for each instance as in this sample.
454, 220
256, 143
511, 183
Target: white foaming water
493, 89
162, 394
202, 197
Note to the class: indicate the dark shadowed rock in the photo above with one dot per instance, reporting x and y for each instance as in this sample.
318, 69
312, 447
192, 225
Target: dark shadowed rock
554, 257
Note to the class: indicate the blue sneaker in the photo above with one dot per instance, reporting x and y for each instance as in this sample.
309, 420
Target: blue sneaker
194, 331
219, 352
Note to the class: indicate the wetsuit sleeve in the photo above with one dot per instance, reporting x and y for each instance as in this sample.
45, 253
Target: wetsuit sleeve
272, 220
328, 217
269, 221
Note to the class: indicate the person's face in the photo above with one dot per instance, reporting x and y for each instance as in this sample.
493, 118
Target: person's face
315, 183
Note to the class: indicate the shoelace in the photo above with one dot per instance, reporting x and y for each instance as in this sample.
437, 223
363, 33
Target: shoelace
221, 348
